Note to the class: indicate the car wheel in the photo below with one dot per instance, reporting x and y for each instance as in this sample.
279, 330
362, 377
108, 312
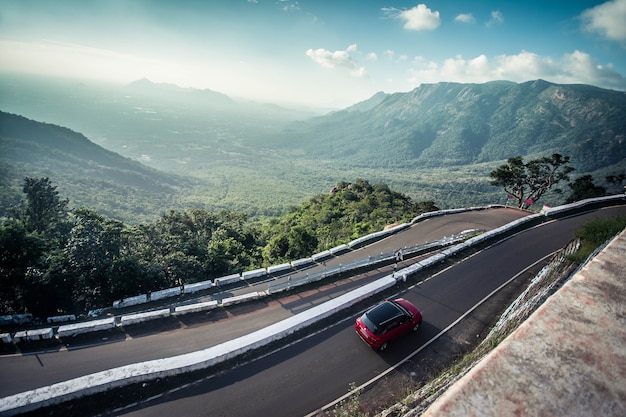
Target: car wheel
383, 347
416, 326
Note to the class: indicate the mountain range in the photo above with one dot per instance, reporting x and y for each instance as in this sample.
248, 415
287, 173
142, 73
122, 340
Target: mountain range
146, 147
452, 124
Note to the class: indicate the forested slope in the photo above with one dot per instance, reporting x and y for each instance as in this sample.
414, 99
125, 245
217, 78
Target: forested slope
90, 174
453, 124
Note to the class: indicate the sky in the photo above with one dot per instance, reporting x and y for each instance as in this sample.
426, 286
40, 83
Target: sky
319, 53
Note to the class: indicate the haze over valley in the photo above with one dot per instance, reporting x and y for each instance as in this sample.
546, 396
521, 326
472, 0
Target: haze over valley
427, 98
438, 142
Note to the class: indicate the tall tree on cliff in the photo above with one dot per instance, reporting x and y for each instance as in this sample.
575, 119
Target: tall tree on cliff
527, 182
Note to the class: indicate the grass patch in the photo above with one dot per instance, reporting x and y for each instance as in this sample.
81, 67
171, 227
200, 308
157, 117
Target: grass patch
596, 233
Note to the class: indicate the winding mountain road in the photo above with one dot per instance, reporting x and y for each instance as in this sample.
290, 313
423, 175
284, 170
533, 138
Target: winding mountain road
310, 373
19, 373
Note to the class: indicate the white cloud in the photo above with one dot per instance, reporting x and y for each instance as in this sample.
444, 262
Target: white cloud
419, 17
496, 17
288, 5
608, 19
341, 59
465, 18
577, 67
372, 56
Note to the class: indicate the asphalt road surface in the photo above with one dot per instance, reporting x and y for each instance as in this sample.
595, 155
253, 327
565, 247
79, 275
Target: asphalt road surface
307, 375
19, 373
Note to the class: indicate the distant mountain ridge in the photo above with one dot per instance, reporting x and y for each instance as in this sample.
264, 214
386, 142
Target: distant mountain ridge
207, 96
100, 178
437, 142
452, 124
211, 100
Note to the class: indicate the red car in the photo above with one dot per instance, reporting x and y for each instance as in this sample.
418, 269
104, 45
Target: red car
387, 321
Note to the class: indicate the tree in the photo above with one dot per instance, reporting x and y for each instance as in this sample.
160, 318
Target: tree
296, 243
616, 183
94, 243
583, 188
527, 182
19, 250
44, 210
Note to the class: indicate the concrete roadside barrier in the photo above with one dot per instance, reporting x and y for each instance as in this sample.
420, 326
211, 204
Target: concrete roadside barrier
203, 359
238, 299
196, 308
61, 319
143, 317
68, 330
131, 301
32, 335
337, 250
301, 262
572, 207
229, 279
167, 293
197, 286
255, 273
279, 268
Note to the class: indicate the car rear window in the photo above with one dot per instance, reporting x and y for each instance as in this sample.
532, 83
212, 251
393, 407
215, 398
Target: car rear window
380, 314
368, 323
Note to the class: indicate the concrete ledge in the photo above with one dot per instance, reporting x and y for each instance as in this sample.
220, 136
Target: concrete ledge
566, 359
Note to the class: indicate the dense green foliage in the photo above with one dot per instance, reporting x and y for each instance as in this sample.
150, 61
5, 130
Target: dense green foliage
528, 182
349, 211
583, 187
57, 261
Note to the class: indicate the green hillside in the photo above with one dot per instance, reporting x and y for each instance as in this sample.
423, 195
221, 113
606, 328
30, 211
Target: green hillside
451, 124
437, 143
91, 175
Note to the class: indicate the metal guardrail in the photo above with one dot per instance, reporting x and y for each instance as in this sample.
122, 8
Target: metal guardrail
370, 261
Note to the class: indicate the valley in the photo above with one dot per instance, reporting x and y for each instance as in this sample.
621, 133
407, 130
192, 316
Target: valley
437, 143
